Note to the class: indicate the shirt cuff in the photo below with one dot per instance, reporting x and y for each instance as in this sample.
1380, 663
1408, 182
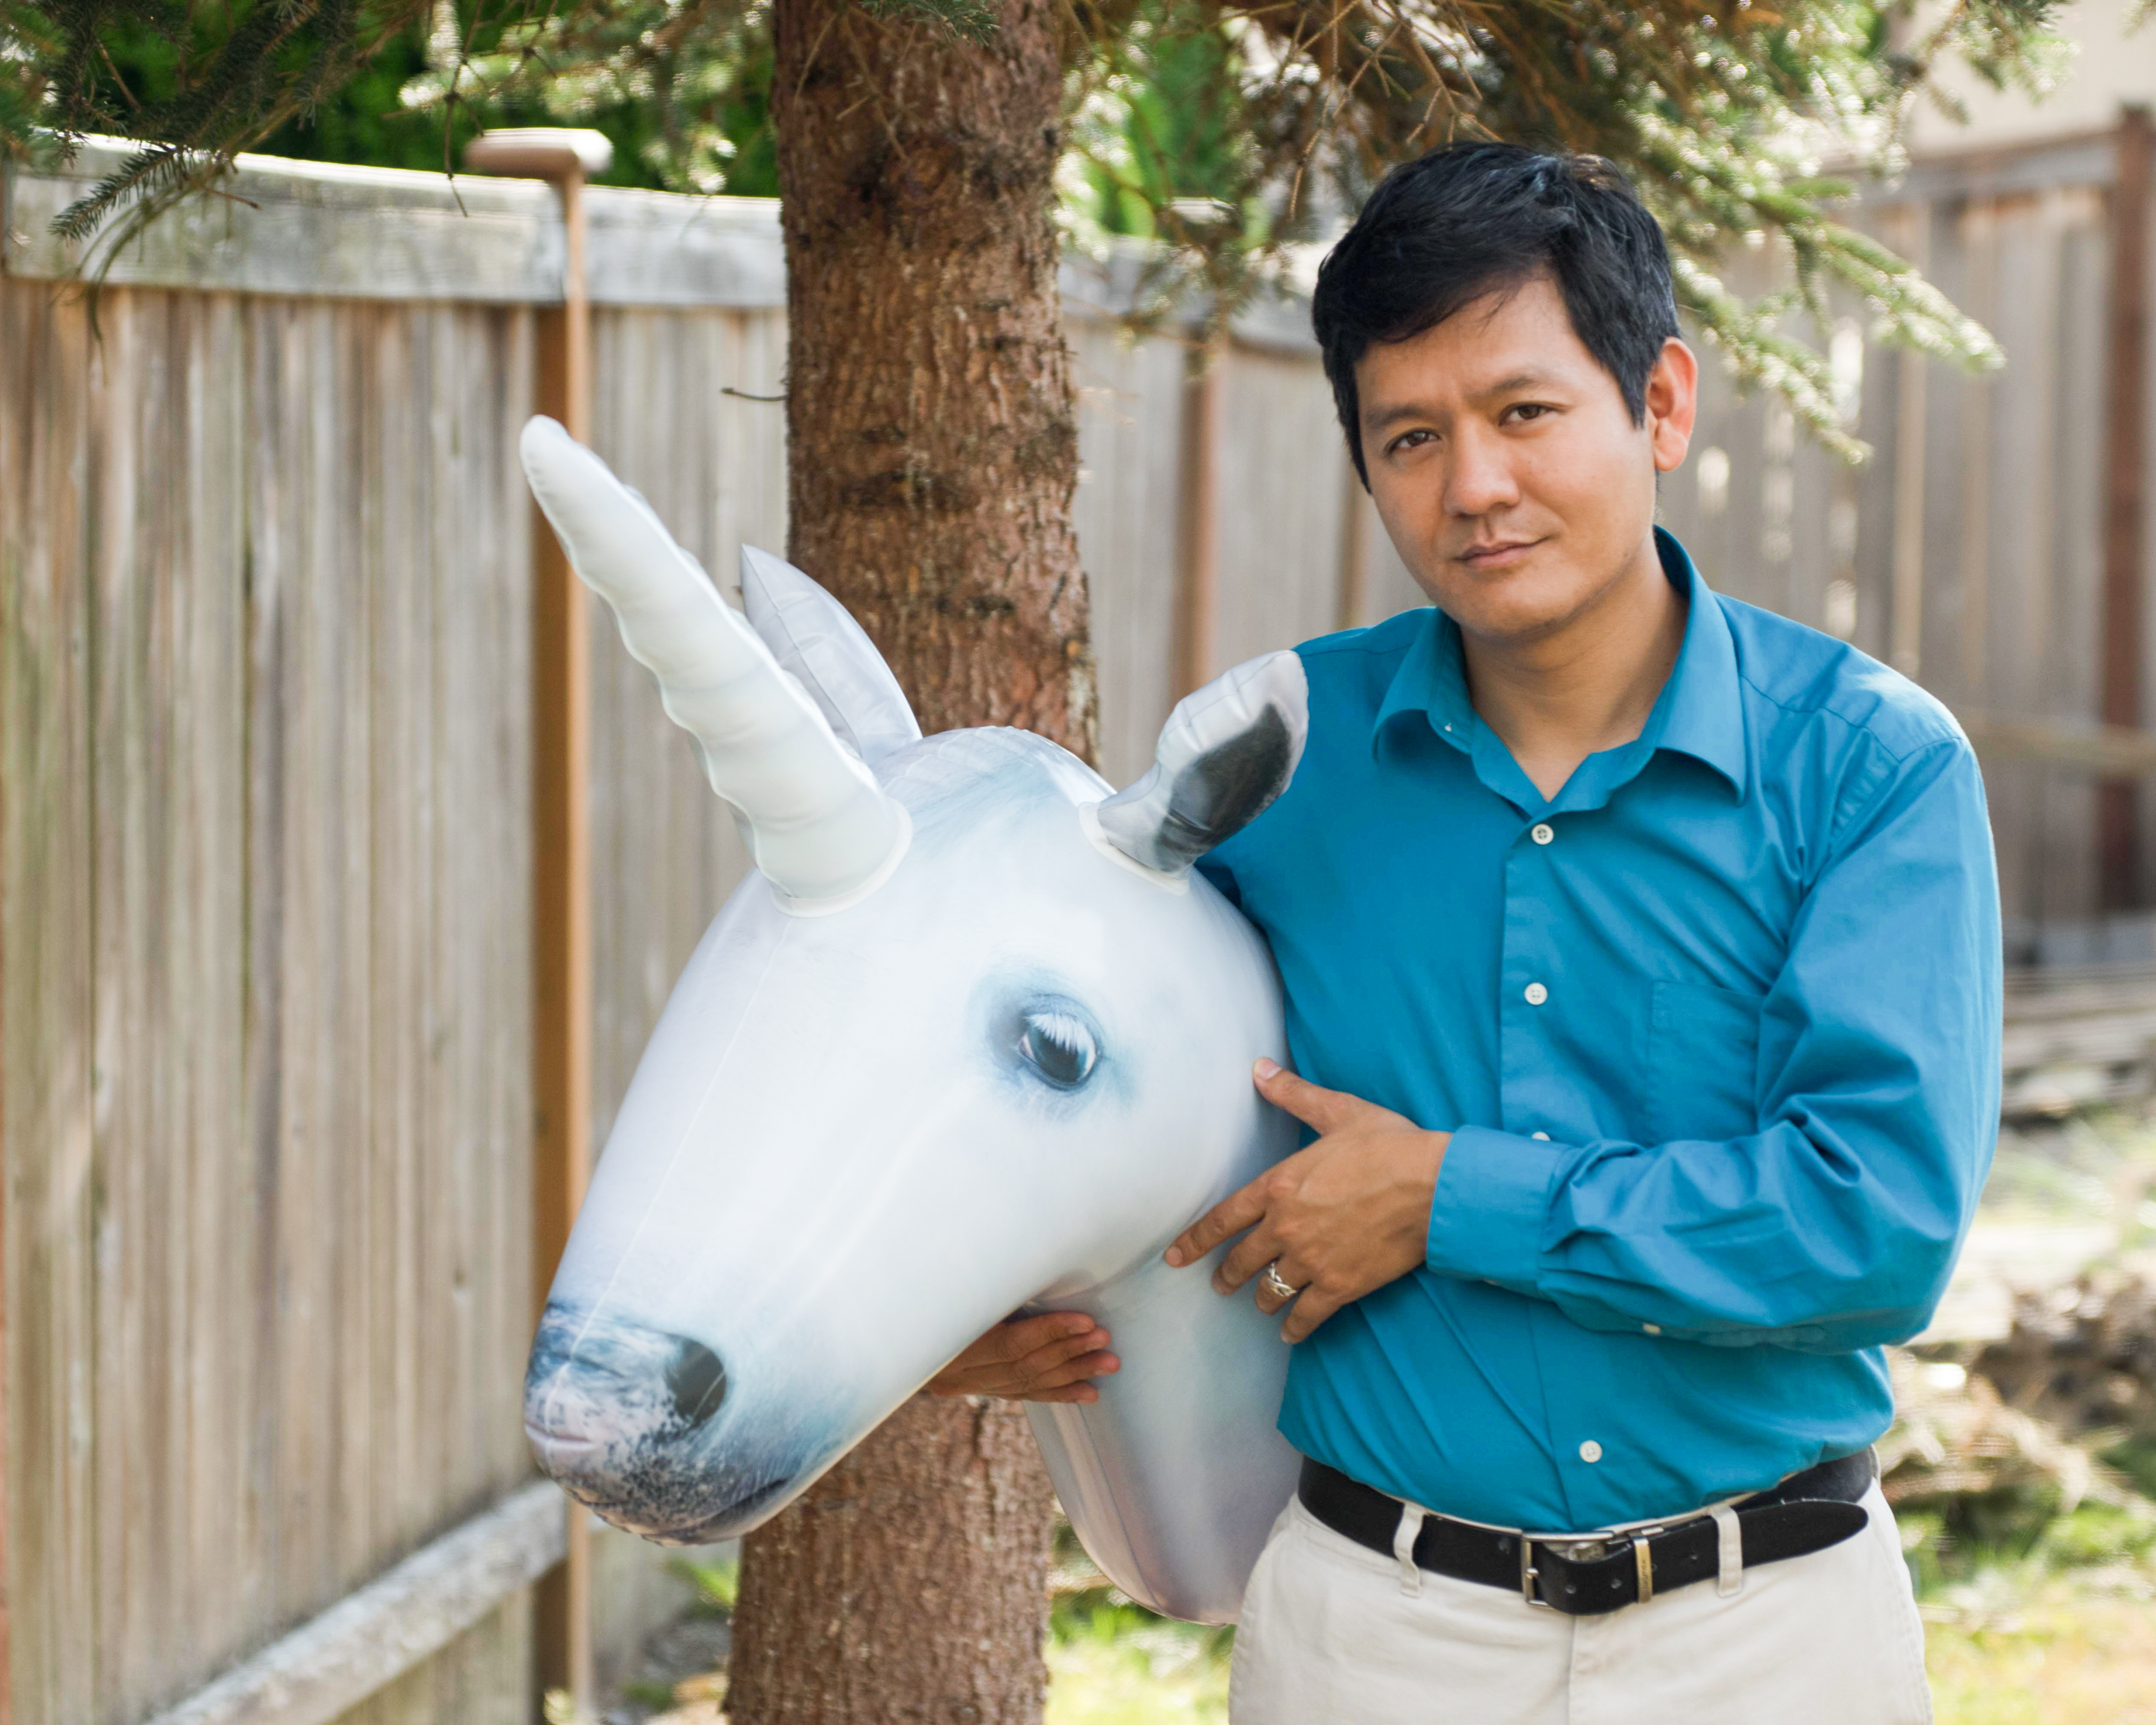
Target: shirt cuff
1486, 1221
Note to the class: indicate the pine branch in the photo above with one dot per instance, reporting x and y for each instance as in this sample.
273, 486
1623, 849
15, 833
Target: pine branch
1218, 129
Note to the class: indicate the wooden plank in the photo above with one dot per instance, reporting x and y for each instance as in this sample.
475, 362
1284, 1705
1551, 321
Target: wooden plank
314, 229
655, 248
1125, 510
210, 1000
1995, 171
271, 1304
1198, 540
9, 383
1352, 598
1906, 605
2106, 750
332, 230
2126, 415
388, 1627
127, 1293
46, 879
1279, 508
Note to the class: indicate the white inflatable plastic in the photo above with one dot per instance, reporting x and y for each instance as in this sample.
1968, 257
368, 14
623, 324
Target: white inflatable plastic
978, 1040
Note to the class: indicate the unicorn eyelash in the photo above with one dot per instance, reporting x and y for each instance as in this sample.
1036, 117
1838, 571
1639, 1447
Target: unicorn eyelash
1060, 1046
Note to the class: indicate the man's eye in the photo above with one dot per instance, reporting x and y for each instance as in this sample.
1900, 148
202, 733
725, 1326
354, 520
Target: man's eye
1410, 440
1528, 409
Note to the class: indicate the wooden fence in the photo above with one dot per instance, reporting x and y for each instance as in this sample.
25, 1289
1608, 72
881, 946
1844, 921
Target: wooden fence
263, 806
265, 851
1999, 516
266, 858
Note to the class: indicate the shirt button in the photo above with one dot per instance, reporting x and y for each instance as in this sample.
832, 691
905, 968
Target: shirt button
1540, 832
1590, 1450
1539, 1137
1652, 1329
1537, 993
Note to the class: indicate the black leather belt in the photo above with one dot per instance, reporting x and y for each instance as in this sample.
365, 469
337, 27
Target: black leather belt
1586, 1574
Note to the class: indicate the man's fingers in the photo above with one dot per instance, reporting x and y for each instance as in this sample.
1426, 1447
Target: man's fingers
1075, 1393
1234, 1214
1251, 1254
1327, 1110
1311, 1308
1269, 1302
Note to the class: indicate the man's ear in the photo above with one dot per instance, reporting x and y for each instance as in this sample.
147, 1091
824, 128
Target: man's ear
1225, 754
1672, 404
816, 638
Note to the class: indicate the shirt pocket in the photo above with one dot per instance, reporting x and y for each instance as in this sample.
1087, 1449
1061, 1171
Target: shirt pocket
1702, 1063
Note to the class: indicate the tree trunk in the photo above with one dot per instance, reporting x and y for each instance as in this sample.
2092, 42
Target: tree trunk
933, 451
908, 1585
934, 432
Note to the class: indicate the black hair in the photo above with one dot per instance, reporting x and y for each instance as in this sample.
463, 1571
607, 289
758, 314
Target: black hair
1472, 219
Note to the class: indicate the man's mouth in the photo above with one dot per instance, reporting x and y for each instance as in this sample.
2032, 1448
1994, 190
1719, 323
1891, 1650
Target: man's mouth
1498, 554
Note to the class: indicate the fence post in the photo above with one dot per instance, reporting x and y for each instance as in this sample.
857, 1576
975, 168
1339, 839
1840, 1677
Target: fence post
1905, 628
561, 845
2125, 409
1198, 526
1353, 596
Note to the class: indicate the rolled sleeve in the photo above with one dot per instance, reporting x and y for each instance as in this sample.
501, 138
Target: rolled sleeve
1491, 1206
1834, 1224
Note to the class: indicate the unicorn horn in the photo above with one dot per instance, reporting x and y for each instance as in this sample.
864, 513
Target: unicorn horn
817, 823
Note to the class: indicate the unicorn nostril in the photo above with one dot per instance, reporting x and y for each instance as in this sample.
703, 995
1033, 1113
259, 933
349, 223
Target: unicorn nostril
696, 1380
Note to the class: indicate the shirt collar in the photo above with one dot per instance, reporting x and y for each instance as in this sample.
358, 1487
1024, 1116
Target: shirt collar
1698, 713
1703, 710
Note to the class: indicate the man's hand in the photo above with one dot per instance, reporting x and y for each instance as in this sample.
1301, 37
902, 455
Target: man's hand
1341, 1218
1046, 1358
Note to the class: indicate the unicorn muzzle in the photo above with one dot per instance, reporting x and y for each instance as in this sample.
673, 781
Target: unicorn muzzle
620, 1416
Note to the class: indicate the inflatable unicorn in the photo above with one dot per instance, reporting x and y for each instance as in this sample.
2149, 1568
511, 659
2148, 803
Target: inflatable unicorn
974, 1039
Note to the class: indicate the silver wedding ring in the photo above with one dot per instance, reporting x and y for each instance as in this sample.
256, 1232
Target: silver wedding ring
1275, 1285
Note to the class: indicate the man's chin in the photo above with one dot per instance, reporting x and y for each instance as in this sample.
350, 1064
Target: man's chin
1508, 608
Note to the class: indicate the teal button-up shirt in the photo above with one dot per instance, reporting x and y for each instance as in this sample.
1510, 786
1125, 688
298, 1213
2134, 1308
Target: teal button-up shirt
1716, 1030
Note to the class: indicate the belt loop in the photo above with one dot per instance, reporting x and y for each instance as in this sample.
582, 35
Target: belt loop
1730, 1573
1403, 1544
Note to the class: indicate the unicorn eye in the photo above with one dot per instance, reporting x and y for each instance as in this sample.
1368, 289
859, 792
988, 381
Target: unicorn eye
1058, 1045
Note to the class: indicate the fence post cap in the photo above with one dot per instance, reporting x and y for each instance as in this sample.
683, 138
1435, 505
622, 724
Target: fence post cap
542, 152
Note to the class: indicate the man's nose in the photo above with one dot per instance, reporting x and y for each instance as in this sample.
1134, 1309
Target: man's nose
1480, 478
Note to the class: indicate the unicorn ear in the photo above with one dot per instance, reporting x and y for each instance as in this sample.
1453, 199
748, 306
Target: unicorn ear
814, 637
1225, 753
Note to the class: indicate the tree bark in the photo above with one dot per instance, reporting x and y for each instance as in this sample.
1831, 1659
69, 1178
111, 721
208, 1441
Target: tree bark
933, 453
908, 1586
934, 437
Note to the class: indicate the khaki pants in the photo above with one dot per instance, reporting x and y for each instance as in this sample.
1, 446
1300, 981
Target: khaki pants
1331, 1634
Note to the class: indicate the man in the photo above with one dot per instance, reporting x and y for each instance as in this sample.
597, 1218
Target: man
1642, 968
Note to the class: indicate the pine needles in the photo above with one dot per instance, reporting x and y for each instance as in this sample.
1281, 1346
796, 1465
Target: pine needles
1231, 132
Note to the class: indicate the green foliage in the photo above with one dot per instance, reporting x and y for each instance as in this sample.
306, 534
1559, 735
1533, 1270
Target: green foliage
717, 1585
1229, 130
1159, 130
682, 90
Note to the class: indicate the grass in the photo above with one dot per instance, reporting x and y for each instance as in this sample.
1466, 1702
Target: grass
2059, 1652
2032, 1617
2007, 1649
1111, 1664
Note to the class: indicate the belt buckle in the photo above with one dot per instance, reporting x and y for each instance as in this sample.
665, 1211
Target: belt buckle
1529, 1573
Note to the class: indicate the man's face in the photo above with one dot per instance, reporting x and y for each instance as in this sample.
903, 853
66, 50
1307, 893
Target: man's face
1506, 468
